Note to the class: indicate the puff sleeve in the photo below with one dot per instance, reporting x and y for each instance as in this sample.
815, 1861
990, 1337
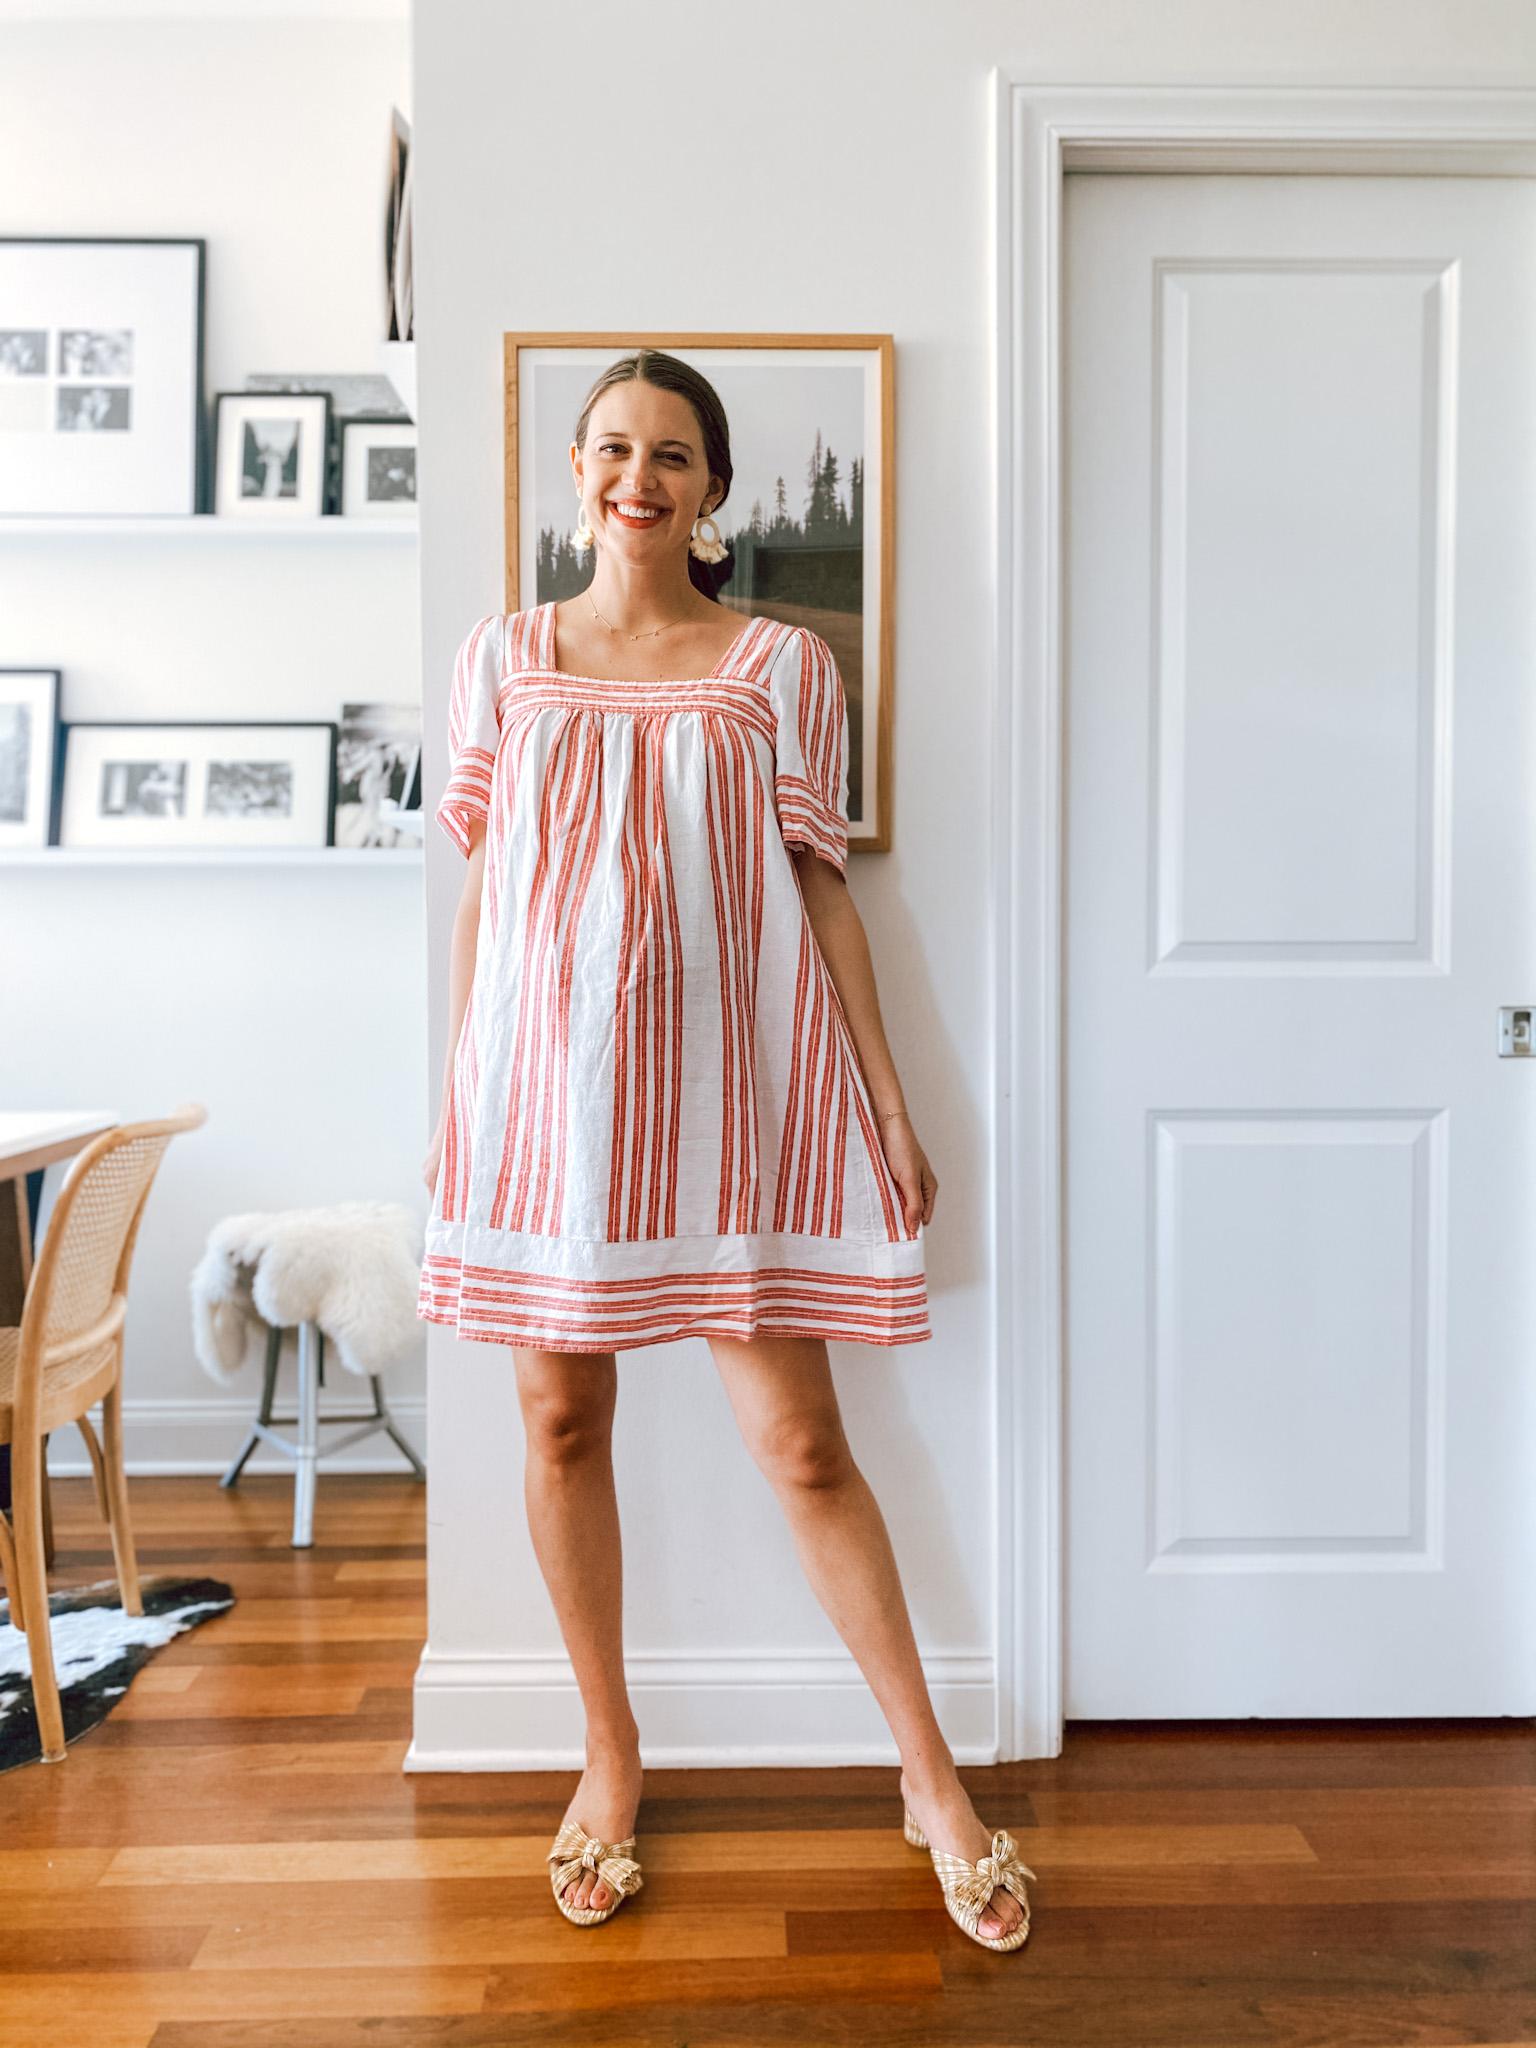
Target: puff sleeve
473, 731
810, 747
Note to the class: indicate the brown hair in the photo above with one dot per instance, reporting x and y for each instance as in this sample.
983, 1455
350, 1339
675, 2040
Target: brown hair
669, 373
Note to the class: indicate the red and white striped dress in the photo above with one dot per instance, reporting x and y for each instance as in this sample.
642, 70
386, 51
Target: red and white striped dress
657, 1125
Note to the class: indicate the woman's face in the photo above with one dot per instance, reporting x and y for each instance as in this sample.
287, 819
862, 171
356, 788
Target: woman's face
644, 449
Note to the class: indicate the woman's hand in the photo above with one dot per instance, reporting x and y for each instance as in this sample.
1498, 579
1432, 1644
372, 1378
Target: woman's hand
433, 1160
909, 1168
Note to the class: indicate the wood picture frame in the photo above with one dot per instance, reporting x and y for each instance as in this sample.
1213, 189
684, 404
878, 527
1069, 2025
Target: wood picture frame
783, 566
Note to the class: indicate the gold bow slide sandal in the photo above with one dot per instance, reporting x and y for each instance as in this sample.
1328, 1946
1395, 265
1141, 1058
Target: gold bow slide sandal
572, 1851
968, 1887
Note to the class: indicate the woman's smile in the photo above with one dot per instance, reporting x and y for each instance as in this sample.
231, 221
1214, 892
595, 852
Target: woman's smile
636, 512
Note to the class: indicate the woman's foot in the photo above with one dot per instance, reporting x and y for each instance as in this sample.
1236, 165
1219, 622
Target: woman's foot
605, 1802
942, 1809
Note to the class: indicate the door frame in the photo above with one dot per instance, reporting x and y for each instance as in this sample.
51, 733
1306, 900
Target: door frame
1039, 133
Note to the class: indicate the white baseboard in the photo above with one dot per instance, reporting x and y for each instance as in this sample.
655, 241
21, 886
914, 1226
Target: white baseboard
167, 1438
523, 1713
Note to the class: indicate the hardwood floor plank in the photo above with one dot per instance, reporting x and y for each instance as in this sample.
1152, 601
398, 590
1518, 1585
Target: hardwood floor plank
65, 2033
320, 1942
118, 1996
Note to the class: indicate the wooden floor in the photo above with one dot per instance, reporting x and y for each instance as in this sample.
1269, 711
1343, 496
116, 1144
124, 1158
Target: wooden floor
235, 1859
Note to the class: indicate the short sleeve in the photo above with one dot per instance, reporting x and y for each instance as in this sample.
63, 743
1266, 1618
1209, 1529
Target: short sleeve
810, 747
473, 730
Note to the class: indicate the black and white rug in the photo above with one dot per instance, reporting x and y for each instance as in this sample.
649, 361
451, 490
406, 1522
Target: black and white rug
96, 1651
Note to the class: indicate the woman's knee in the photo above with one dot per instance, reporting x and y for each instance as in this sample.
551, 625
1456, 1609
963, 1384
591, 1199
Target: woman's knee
805, 1453
567, 1416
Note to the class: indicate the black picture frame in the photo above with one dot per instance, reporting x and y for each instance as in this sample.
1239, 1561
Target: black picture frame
310, 400
326, 725
368, 419
198, 482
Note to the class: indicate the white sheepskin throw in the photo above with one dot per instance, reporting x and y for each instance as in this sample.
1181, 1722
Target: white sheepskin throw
353, 1268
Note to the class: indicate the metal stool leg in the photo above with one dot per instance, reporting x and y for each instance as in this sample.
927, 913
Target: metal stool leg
307, 1447
264, 1414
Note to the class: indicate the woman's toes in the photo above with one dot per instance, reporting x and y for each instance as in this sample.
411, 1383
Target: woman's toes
599, 1894
999, 1919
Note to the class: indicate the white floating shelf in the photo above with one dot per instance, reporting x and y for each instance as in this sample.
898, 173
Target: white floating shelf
209, 526
213, 857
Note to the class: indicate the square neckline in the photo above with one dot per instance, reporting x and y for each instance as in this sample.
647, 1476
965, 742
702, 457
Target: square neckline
550, 668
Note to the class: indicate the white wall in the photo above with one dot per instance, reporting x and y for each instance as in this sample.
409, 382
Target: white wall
291, 1002
829, 175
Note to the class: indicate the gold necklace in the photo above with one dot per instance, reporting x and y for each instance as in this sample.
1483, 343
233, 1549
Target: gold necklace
649, 635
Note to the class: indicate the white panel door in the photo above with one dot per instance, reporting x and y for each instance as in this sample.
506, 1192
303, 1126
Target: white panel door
1300, 1216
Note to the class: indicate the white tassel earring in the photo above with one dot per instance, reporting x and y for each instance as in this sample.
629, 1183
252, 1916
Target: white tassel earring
582, 535
708, 548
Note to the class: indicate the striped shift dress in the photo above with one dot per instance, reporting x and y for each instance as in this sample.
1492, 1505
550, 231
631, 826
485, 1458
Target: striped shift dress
656, 1123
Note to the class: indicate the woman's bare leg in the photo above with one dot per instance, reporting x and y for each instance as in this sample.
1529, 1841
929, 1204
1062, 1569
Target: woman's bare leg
567, 1400
782, 1393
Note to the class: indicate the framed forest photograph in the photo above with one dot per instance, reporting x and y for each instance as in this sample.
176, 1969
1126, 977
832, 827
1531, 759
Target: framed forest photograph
807, 523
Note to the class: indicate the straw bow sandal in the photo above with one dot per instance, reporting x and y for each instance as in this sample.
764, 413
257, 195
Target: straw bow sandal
968, 1887
572, 1851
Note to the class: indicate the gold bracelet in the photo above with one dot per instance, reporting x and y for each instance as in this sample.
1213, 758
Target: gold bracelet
885, 1119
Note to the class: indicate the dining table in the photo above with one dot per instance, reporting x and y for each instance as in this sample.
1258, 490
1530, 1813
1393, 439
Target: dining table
32, 1140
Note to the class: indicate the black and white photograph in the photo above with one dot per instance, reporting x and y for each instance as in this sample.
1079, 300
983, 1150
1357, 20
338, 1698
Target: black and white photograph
23, 351
101, 375
250, 789
95, 408
192, 784
29, 738
18, 740
378, 469
802, 523
270, 455
378, 783
269, 458
143, 789
96, 352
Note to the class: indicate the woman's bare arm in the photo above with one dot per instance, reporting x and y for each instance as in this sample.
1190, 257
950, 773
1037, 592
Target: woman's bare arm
461, 975
462, 948
845, 947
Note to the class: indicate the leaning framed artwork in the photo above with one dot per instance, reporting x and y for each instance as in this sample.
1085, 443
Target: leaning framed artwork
101, 374
808, 522
257, 783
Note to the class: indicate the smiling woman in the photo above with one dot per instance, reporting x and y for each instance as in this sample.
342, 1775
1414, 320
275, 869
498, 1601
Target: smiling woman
671, 1109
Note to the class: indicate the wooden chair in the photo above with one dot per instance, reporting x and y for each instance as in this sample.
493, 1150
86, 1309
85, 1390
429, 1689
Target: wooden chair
64, 1356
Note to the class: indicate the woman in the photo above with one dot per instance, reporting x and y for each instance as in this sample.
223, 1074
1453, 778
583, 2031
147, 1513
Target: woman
669, 1108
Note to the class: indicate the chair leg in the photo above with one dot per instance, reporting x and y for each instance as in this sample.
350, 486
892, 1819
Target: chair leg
98, 1468
47, 1510
8, 1571
117, 1494
32, 1577
308, 1439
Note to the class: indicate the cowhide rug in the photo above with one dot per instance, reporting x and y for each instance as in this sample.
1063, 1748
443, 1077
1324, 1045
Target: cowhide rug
96, 1651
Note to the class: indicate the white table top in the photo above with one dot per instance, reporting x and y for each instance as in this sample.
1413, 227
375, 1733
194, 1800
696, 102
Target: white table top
25, 1131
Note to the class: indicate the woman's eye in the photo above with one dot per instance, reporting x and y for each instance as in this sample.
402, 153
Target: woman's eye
617, 448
